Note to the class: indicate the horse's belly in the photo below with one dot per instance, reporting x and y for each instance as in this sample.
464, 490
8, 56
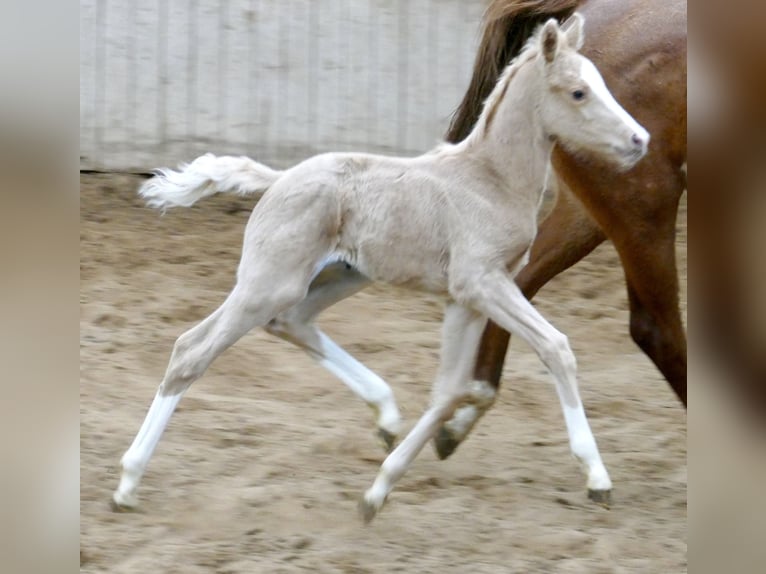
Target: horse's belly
407, 266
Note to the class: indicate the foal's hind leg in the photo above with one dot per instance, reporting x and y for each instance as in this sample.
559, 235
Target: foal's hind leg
501, 299
461, 331
192, 354
334, 283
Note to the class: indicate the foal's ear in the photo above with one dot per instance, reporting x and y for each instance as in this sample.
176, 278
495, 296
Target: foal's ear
549, 40
573, 30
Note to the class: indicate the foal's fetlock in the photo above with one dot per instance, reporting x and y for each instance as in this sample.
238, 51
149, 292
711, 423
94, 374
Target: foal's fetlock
456, 429
386, 438
389, 423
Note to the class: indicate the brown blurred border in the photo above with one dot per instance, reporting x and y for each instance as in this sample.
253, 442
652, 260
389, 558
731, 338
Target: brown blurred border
39, 414
727, 279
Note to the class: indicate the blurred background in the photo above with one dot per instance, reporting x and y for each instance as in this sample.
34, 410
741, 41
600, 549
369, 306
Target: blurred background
164, 81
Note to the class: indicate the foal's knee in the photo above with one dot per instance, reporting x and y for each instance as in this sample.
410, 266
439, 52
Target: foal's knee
556, 351
466, 290
186, 365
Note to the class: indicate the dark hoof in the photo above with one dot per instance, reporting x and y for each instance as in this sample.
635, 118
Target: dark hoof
445, 443
387, 439
367, 511
601, 497
119, 507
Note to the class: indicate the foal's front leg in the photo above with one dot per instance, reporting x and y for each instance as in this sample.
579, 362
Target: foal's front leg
503, 302
566, 236
461, 332
334, 283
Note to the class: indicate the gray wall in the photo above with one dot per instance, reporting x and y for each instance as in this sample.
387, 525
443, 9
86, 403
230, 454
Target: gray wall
162, 81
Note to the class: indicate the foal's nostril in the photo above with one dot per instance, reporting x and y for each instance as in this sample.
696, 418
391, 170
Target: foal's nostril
637, 140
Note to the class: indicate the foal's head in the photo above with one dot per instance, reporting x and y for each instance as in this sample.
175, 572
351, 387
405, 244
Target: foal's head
576, 107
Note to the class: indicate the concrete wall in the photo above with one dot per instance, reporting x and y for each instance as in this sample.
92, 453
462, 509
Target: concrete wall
162, 81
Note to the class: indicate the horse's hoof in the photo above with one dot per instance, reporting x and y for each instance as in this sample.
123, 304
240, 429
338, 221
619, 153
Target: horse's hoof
120, 503
445, 443
367, 510
386, 438
601, 497
116, 507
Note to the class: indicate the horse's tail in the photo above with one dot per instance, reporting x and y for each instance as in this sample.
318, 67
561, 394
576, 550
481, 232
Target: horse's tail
508, 24
206, 176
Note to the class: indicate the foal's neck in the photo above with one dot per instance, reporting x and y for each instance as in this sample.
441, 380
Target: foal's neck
509, 134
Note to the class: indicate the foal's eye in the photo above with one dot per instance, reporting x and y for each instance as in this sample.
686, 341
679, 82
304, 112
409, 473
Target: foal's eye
578, 95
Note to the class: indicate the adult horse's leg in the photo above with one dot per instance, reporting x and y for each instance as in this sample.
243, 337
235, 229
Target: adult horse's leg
334, 283
655, 318
638, 212
566, 236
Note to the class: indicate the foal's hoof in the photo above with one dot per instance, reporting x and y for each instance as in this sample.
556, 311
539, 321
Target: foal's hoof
121, 503
445, 443
369, 506
367, 510
387, 439
117, 507
601, 497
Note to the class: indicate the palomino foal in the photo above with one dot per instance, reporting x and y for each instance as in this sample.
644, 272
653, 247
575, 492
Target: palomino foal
458, 220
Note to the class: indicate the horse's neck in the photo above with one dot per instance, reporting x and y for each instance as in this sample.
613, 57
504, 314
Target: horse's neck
513, 141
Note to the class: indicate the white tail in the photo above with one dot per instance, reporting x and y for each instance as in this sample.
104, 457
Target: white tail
206, 176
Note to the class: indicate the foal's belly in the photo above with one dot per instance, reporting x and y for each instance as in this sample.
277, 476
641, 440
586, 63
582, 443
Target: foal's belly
404, 265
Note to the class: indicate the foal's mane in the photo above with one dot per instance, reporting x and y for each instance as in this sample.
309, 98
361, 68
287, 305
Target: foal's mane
508, 24
501, 86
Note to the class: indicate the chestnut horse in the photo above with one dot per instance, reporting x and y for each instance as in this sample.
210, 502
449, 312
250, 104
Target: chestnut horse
640, 48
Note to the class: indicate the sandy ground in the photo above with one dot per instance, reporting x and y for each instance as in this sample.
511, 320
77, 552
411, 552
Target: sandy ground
263, 463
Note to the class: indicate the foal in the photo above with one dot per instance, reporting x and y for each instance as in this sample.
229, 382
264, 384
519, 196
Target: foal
458, 221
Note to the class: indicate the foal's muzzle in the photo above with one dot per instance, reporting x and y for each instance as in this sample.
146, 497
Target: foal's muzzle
636, 149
